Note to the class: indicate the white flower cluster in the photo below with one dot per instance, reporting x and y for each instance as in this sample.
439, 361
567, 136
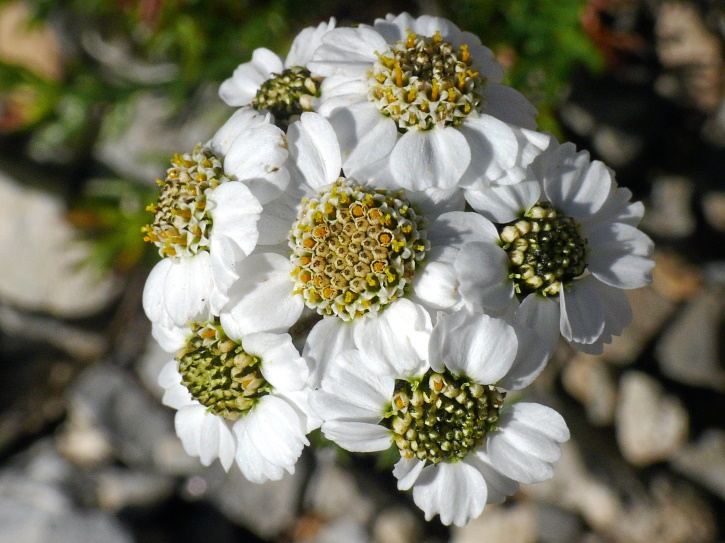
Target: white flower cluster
379, 243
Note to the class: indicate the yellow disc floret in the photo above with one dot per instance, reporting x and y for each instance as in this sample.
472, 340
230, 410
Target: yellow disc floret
355, 250
423, 82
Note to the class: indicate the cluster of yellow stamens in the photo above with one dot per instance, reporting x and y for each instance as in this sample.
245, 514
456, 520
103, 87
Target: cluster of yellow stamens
219, 374
423, 82
181, 225
355, 250
441, 417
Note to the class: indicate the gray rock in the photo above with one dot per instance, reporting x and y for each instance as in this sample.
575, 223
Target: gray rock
590, 381
266, 509
515, 524
669, 211
43, 269
651, 426
397, 525
119, 488
557, 525
704, 461
136, 423
689, 351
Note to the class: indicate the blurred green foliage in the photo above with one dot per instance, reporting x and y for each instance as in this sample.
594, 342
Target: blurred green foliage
115, 49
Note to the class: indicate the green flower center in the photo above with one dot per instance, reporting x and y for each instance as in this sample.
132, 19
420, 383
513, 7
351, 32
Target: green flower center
423, 82
181, 225
442, 417
355, 250
546, 250
219, 374
287, 95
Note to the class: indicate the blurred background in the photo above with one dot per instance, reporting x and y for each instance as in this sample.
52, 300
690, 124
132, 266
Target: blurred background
96, 95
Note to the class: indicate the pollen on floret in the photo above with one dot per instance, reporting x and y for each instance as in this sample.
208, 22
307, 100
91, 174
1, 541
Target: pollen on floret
361, 255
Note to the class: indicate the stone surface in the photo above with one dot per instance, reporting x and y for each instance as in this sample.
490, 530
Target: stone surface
515, 524
651, 425
119, 488
690, 349
557, 525
704, 461
397, 525
43, 265
669, 210
589, 380
265, 509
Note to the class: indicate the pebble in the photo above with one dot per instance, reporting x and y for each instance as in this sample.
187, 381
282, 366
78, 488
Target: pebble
589, 380
704, 461
689, 350
43, 269
668, 212
397, 525
651, 425
515, 524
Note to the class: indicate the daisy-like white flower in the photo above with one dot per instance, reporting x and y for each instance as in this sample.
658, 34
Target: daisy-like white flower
565, 245
355, 252
243, 400
422, 95
205, 220
459, 447
285, 89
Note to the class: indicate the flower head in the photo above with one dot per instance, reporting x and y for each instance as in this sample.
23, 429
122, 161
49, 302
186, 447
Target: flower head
460, 447
419, 94
567, 240
240, 399
285, 89
205, 220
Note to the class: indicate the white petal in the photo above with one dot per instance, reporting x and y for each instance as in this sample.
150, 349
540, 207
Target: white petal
188, 287
431, 158
434, 202
235, 212
495, 143
216, 441
306, 42
339, 91
617, 314
398, 335
437, 283
531, 358
347, 51
482, 270
541, 314
257, 157
176, 395
360, 385
240, 122
457, 492
224, 255
510, 106
188, 422
153, 293
276, 431
473, 344
171, 338
357, 436
407, 472
262, 300
428, 25
394, 28
504, 203
276, 220
365, 135
251, 461
499, 486
455, 228
326, 340
239, 89
582, 314
574, 184
300, 401
619, 255
282, 365
527, 441
313, 146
